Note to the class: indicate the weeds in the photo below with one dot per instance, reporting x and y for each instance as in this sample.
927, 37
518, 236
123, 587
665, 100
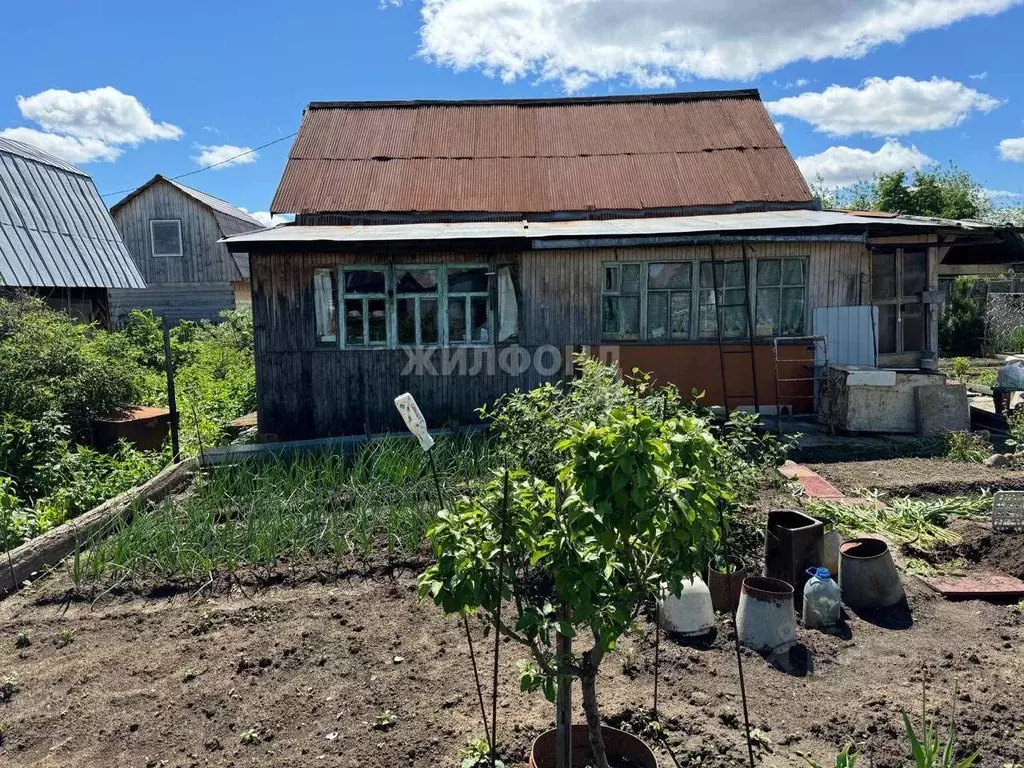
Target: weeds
23, 640
845, 759
250, 736
927, 749
8, 687
903, 520
64, 637
966, 446
477, 754
385, 720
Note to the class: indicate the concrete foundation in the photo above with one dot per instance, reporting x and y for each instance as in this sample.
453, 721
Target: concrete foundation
942, 408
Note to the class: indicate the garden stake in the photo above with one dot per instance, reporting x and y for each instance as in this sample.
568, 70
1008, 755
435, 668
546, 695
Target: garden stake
413, 418
497, 614
657, 646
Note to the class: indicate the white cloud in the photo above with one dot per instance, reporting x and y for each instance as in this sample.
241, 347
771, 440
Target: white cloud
211, 129
886, 107
224, 155
578, 42
268, 219
845, 166
979, 76
780, 127
105, 114
1012, 149
88, 126
1003, 195
69, 148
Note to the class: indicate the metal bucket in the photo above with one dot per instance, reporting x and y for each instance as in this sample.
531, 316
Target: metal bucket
621, 747
766, 620
867, 576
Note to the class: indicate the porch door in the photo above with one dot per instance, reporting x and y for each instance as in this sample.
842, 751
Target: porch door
899, 279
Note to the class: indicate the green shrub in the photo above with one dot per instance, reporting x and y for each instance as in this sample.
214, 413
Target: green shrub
961, 368
962, 326
966, 446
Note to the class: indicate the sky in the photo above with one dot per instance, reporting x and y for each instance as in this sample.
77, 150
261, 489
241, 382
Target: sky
126, 90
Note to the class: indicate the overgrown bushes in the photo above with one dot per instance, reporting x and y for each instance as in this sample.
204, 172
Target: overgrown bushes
57, 376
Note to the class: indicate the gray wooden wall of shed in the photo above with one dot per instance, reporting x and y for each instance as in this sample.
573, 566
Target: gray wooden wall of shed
304, 391
203, 259
174, 301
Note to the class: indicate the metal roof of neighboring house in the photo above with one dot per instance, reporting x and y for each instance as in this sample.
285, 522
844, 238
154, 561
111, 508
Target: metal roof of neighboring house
231, 219
634, 153
55, 231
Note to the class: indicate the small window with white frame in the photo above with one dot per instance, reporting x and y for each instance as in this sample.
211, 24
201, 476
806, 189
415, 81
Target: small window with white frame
364, 302
165, 237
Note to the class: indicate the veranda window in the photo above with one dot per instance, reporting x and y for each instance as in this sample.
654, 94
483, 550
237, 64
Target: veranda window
781, 297
728, 305
416, 307
365, 303
669, 300
325, 288
468, 312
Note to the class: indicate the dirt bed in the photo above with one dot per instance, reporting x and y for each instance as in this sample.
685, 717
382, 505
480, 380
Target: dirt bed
919, 476
359, 673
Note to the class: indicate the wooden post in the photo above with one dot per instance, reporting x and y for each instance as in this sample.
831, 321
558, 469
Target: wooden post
563, 696
172, 402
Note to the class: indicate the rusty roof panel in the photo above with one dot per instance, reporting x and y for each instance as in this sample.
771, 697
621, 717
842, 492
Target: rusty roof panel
543, 156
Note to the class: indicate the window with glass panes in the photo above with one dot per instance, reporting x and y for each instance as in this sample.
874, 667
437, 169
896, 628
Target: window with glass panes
364, 301
620, 301
728, 305
402, 306
677, 301
468, 305
781, 297
669, 299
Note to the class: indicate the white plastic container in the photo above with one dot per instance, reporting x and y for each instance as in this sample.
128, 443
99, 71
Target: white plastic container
690, 613
822, 600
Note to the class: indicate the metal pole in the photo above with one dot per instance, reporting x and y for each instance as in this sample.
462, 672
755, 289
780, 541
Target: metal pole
172, 402
497, 614
563, 697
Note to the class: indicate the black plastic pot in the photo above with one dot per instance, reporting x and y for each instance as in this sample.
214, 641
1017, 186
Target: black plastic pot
620, 747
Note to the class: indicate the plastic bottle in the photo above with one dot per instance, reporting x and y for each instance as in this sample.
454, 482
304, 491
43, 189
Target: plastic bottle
822, 601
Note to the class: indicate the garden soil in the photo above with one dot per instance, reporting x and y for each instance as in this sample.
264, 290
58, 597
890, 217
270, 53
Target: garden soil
357, 672
920, 477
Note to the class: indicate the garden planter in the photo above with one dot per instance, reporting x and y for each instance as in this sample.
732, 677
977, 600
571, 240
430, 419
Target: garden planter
867, 575
726, 588
690, 613
623, 749
794, 543
766, 620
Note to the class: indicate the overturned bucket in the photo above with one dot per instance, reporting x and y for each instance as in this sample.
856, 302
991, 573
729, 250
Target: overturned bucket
867, 576
766, 620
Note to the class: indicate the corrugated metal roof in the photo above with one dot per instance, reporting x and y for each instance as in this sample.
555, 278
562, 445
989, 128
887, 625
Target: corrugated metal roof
539, 156
231, 219
55, 231
603, 228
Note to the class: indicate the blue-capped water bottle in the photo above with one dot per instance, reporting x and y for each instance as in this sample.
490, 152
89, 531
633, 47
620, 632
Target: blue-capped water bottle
822, 600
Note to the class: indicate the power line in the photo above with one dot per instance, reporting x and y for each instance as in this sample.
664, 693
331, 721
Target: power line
212, 165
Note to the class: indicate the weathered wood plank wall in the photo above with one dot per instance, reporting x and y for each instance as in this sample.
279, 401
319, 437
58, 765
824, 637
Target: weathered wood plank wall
305, 392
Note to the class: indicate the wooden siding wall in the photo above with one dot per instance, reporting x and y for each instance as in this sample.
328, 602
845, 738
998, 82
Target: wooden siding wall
304, 391
203, 259
174, 301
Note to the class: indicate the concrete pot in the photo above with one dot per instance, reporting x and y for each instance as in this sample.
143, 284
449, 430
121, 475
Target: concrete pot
621, 747
793, 543
766, 620
690, 613
867, 576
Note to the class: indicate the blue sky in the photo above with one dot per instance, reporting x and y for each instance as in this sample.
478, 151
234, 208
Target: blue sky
914, 80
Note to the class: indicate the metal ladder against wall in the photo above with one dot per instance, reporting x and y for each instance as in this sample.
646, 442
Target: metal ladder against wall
720, 308
813, 343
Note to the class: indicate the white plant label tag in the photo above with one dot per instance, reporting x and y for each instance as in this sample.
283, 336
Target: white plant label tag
413, 418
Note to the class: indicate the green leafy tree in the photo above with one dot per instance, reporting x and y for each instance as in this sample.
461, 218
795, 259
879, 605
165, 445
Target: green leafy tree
962, 326
632, 507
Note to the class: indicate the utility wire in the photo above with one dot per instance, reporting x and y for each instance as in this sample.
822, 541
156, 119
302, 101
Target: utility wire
212, 165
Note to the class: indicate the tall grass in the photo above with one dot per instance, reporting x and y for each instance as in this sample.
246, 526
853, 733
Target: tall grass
259, 516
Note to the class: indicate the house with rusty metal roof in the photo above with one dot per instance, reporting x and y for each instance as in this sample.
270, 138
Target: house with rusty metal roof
172, 232
56, 238
460, 249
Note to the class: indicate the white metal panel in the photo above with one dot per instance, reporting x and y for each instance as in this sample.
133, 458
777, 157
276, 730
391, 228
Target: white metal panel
850, 334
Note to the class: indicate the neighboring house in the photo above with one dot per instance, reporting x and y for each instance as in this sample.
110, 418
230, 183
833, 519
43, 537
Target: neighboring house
56, 238
172, 232
458, 250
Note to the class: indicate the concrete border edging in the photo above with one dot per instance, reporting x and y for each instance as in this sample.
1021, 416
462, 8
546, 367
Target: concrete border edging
48, 550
